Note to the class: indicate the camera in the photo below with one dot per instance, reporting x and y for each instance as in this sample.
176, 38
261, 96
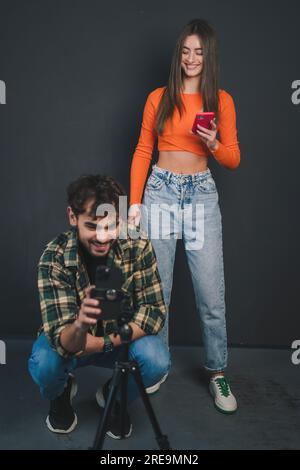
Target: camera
108, 291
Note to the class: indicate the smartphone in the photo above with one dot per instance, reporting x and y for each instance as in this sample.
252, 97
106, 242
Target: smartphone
204, 120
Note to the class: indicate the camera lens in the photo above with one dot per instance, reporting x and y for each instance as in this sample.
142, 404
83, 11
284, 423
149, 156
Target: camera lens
111, 294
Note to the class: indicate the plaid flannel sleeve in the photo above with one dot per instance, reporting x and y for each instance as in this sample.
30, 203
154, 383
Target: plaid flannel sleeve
58, 303
150, 309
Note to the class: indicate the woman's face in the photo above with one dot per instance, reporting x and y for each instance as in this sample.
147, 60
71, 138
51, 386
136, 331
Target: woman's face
192, 56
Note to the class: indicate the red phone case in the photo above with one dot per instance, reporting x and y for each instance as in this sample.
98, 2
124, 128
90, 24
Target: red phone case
204, 120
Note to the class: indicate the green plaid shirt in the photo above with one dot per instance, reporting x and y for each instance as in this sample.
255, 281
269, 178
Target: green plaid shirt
63, 278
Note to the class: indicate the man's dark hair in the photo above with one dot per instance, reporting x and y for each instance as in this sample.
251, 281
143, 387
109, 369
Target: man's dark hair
104, 189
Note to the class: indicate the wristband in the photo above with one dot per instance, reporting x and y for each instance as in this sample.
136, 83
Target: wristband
108, 344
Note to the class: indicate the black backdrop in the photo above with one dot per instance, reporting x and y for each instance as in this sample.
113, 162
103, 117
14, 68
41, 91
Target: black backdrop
77, 74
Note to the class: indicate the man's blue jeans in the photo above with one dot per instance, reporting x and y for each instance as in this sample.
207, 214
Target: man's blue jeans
189, 209
50, 371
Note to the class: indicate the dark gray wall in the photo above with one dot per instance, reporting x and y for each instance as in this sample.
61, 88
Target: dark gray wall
77, 75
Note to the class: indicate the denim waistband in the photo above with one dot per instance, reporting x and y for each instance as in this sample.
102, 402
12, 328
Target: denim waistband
180, 177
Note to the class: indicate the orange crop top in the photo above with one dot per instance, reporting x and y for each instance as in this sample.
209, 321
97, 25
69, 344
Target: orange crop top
176, 136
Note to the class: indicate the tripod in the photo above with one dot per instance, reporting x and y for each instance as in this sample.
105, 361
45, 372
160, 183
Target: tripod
119, 380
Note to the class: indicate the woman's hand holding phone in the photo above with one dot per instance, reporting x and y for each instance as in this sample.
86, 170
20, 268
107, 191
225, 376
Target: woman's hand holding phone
208, 136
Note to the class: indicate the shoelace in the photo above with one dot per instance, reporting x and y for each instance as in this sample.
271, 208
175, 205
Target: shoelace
223, 386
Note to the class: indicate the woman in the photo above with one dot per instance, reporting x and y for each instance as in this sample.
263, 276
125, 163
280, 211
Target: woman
184, 187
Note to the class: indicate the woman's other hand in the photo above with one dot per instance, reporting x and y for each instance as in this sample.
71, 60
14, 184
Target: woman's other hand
134, 214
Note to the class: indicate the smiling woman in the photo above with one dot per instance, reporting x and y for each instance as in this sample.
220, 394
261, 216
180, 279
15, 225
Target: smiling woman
192, 56
181, 179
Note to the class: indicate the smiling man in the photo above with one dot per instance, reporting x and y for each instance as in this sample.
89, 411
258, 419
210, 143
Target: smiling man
72, 333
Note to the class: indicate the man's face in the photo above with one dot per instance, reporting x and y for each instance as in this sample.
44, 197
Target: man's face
97, 234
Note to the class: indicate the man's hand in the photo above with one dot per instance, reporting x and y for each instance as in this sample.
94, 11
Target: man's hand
74, 337
89, 311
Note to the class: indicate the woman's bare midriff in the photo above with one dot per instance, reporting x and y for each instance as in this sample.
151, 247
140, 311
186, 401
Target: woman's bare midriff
181, 162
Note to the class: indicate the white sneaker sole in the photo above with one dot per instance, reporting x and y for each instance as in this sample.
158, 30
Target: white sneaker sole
154, 388
100, 398
101, 402
110, 434
74, 390
62, 431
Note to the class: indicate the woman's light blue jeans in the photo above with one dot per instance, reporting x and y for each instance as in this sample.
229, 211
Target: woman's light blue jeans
187, 206
50, 371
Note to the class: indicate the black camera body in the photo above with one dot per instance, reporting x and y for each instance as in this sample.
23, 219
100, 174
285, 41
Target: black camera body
108, 291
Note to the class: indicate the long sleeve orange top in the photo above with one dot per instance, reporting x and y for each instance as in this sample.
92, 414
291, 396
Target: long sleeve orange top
177, 136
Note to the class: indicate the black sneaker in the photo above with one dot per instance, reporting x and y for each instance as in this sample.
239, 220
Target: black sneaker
113, 428
61, 417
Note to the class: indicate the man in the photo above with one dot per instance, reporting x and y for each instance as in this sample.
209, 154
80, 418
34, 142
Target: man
73, 334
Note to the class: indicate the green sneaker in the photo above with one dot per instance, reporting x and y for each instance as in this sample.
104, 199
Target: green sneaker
220, 390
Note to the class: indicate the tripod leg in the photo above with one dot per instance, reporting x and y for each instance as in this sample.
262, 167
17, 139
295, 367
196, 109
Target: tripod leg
101, 431
124, 382
162, 439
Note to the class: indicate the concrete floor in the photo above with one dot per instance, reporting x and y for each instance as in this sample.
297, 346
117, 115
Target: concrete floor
265, 382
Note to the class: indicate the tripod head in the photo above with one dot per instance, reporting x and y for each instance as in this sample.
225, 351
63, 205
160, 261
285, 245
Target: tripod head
124, 330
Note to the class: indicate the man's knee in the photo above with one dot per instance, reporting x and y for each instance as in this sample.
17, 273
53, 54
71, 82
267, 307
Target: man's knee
151, 353
45, 365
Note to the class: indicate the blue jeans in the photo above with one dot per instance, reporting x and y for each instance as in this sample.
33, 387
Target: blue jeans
50, 371
189, 209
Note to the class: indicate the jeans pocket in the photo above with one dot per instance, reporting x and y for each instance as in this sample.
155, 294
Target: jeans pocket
154, 182
206, 186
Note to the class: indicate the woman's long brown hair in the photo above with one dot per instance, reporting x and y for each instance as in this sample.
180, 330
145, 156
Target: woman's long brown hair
209, 83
